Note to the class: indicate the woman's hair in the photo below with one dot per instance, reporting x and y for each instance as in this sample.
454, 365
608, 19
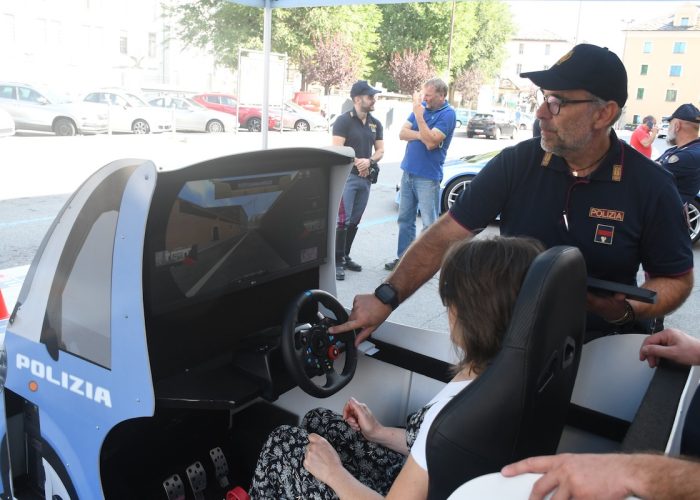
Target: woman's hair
479, 281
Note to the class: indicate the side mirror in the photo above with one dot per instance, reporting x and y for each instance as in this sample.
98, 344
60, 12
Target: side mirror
42, 100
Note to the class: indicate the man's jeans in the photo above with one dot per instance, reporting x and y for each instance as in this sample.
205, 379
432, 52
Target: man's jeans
417, 193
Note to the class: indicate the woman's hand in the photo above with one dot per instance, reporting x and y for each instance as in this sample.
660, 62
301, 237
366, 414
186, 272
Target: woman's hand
360, 418
321, 459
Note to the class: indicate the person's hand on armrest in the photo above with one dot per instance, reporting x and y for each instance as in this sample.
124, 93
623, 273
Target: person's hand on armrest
670, 344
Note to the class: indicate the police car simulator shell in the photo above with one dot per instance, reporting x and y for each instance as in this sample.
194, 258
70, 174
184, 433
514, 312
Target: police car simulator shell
147, 332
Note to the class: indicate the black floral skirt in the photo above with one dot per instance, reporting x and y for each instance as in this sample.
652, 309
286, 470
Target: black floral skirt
280, 472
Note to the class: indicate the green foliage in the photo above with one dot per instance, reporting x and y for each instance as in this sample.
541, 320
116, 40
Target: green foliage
376, 33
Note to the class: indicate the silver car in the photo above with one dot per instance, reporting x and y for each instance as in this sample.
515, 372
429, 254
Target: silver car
36, 109
193, 117
129, 112
7, 124
297, 118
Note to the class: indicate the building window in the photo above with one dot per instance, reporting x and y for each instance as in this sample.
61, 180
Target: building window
647, 48
151, 45
679, 48
636, 119
685, 21
547, 49
518, 69
640, 94
521, 48
122, 43
671, 95
675, 70
644, 70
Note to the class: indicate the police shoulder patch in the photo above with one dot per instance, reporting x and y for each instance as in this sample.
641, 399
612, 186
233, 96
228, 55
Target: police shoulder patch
672, 159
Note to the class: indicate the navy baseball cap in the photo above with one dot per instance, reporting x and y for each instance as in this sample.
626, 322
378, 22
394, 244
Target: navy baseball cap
687, 112
361, 87
587, 67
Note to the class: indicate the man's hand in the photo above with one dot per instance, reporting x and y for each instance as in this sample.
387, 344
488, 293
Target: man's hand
418, 108
578, 476
670, 344
361, 419
362, 165
608, 307
367, 314
321, 459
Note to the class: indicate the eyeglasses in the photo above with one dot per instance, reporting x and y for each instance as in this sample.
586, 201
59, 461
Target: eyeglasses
554, 103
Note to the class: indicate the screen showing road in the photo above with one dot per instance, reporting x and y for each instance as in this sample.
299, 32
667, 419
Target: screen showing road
236, 232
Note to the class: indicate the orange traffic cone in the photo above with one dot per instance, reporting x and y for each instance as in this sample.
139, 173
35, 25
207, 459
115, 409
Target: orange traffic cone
3, 308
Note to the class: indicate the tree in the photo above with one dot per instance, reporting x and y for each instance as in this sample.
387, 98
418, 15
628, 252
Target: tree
468, 83
334, 62
409, 69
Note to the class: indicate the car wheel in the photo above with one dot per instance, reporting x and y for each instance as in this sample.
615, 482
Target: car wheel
523, 126
140, 127
215, 126
64, 126
458, 124
302, 126
453, 190
254, 124
470, 134
694, 220
497, 133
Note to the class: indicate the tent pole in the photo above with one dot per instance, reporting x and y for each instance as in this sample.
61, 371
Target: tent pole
267, 46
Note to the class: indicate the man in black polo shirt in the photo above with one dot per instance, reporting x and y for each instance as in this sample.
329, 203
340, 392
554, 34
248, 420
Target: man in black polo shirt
361, 131
577, 184
683, 159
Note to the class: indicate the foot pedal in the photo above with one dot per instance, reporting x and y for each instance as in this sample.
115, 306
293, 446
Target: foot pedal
198, 479
174, 488
220, 466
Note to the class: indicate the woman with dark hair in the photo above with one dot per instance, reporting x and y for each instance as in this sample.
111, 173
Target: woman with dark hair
354, 456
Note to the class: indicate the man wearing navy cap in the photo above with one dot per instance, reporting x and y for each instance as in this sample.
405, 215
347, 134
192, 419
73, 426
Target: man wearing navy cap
358, 129
577, 185
683, 159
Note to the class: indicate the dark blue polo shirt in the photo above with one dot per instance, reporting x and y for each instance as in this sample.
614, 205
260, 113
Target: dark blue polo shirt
684, 163
359, 136
626, 213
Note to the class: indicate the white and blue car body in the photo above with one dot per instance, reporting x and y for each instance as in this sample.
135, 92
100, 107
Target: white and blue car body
142, 356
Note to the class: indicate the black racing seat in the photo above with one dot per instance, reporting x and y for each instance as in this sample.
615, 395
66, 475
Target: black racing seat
517, 407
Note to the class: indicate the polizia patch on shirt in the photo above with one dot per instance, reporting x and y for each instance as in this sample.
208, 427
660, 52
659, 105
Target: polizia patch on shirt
606, 213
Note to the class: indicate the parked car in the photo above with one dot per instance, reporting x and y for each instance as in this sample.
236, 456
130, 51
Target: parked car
493, 124
249, 117
36, 109
463, 116
129, 112
297, 118
310, 101
526, 121
7, 124
191, 116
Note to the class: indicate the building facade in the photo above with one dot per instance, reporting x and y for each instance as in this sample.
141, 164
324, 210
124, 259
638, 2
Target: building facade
74, 45
663, 71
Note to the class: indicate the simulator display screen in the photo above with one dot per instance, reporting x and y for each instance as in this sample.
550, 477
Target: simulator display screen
236, 232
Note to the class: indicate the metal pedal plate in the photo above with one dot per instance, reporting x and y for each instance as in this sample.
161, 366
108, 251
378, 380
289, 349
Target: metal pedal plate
220, 466
174, 488
197, 478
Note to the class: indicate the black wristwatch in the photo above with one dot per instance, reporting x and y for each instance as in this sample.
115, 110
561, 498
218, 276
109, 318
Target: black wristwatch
387, 294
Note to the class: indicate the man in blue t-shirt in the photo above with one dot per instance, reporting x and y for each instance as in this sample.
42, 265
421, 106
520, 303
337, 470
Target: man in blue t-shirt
428, 132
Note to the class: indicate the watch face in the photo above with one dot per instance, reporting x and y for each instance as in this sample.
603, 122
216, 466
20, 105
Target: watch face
386, 294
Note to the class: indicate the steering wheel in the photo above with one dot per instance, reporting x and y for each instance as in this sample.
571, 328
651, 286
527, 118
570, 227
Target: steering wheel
309, 350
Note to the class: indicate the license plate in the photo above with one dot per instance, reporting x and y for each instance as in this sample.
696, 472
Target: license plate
478, 130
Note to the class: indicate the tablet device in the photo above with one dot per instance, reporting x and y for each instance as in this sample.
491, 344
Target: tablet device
596, 285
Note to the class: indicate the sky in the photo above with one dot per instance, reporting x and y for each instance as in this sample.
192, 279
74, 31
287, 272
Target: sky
595, 21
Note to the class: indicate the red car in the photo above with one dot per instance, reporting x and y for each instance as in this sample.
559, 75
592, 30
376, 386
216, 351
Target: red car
250, 116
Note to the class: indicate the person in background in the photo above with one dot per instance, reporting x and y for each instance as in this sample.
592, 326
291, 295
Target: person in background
644, 135
428, 133
623, 475
358, 129
352, 456
577, 185
683, 159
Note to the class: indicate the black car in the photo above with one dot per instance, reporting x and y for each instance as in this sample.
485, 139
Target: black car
492, 125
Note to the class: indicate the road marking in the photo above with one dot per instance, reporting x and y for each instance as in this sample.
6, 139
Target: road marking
25, 221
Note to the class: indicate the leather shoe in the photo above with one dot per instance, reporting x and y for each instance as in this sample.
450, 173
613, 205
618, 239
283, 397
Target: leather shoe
339, 273
351, 265
389, 266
